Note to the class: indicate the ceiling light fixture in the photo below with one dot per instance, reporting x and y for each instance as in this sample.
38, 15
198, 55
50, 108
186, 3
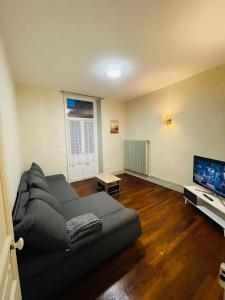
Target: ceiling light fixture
114, 71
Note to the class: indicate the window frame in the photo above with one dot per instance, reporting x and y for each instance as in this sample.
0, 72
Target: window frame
94, 119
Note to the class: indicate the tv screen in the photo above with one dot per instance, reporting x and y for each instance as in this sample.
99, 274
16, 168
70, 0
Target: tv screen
210, 174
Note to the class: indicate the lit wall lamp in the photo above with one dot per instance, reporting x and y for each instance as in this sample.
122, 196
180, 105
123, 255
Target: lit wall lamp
166, 120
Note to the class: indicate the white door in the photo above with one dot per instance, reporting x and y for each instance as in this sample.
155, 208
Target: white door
75, 145
9, 279
82, 144
89, 150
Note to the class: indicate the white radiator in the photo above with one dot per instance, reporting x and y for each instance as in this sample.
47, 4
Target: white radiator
137, 156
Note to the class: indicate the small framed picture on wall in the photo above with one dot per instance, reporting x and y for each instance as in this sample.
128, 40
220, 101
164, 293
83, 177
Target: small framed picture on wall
114, 126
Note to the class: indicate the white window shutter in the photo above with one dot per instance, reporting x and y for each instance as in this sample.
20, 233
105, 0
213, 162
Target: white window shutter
75, 137
89, 145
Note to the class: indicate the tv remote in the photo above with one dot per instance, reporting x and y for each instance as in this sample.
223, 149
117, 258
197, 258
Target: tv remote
208, 197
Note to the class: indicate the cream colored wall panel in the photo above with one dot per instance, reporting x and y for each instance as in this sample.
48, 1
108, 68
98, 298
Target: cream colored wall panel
112, 142
9, 123
196, 105
197, 108
42, 128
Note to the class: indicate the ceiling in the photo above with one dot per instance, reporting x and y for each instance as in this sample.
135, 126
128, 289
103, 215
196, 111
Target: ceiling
69, 44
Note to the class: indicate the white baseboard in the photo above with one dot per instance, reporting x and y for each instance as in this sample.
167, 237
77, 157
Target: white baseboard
160, 181
163, 182
118, 172
113, 173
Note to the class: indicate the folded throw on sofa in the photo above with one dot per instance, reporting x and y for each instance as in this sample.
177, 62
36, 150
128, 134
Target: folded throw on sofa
83, 225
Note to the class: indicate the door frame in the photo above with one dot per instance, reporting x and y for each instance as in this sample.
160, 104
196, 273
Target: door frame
8, 214
66, 118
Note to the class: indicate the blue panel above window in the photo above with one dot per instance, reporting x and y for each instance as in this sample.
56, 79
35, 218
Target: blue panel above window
71, 103
79, 108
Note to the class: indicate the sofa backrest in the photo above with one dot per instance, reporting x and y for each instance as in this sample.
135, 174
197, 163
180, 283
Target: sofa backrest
21, 199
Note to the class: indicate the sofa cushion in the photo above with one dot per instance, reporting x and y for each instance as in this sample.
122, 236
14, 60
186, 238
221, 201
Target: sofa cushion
99, 204
23, 186
20, 208
33, 262
36, 167
43, 228
55, 177
38, 174
63, 190
35, 181
50, 199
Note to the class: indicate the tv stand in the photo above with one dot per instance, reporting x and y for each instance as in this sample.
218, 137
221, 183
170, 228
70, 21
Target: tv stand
213, 207
209, 193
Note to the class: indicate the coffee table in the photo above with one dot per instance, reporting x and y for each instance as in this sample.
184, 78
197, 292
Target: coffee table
108, 183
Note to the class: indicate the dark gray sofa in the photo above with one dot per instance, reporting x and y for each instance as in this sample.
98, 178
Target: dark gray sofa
44, 273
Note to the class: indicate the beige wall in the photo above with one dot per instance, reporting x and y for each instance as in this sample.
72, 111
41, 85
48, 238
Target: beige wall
112, 142
196, 105
10, 136
42, 128
197, 108
41, 116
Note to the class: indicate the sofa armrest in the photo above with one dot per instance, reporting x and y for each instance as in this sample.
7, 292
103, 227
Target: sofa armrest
55, 177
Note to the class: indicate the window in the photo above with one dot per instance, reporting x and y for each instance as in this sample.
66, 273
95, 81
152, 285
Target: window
79, 108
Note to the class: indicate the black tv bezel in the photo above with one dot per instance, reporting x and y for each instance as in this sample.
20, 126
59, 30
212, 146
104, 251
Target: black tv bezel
206, 187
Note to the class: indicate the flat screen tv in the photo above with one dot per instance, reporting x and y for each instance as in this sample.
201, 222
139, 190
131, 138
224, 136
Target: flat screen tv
210, 174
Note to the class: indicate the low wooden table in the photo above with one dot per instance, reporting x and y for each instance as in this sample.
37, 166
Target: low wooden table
108, 182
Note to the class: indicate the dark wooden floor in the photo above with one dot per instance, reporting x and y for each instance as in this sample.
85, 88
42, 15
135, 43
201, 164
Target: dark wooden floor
177, 256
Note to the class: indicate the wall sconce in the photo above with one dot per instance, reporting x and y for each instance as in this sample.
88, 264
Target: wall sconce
166, 119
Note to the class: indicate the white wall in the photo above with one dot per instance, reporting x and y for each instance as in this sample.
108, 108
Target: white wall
112, 143
42, 128
41, 116
10, 135
197, 108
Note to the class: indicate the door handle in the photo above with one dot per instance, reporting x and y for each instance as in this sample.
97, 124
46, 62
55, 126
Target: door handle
18, 245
